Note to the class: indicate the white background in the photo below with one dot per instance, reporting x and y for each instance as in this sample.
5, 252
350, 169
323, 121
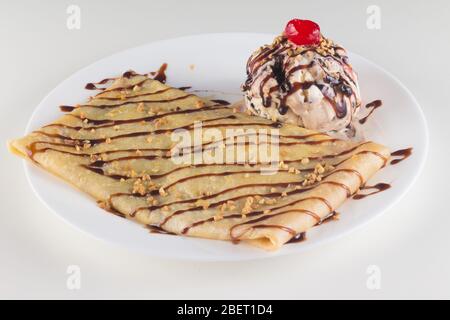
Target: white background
410, 243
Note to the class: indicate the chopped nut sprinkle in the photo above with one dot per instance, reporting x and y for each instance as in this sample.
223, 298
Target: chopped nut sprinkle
140, 107
162, 192
202, 203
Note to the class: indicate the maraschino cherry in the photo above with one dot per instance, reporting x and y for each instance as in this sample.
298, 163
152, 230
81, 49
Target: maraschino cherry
303, 32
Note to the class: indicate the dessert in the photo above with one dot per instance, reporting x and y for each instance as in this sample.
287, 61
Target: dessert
117, 148
305, 79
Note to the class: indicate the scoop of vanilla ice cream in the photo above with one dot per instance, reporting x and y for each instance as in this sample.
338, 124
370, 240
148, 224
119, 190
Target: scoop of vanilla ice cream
311, 86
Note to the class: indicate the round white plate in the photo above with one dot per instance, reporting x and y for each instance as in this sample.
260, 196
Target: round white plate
217, 62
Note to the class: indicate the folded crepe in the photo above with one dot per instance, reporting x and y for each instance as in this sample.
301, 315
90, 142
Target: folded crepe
119, 148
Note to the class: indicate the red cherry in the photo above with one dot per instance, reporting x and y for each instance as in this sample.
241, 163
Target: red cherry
303, 32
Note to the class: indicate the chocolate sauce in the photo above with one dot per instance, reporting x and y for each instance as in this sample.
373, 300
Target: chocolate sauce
109, 208
299, 237
90, 86
160, 75
372, 105
333, 216
66, 108
283, 108
339, 108
403, 153
221, 102
266, 101
128, 74
279, 74
157, 229
379, 187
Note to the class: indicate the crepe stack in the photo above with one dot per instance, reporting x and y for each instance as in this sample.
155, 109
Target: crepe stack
118, 148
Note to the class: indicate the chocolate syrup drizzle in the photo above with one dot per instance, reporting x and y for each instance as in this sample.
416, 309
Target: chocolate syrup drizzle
402, 153
372, 106
379, 187
299, 237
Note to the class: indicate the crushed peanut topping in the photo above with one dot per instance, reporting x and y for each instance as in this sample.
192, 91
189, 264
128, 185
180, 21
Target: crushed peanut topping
319, 168
140, 107
93, 157
315, 176
142, 187
202, 203
139, 187
162, 192
159, 122
247, 206
326, 47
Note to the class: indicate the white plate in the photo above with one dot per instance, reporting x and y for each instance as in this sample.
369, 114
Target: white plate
219, 61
